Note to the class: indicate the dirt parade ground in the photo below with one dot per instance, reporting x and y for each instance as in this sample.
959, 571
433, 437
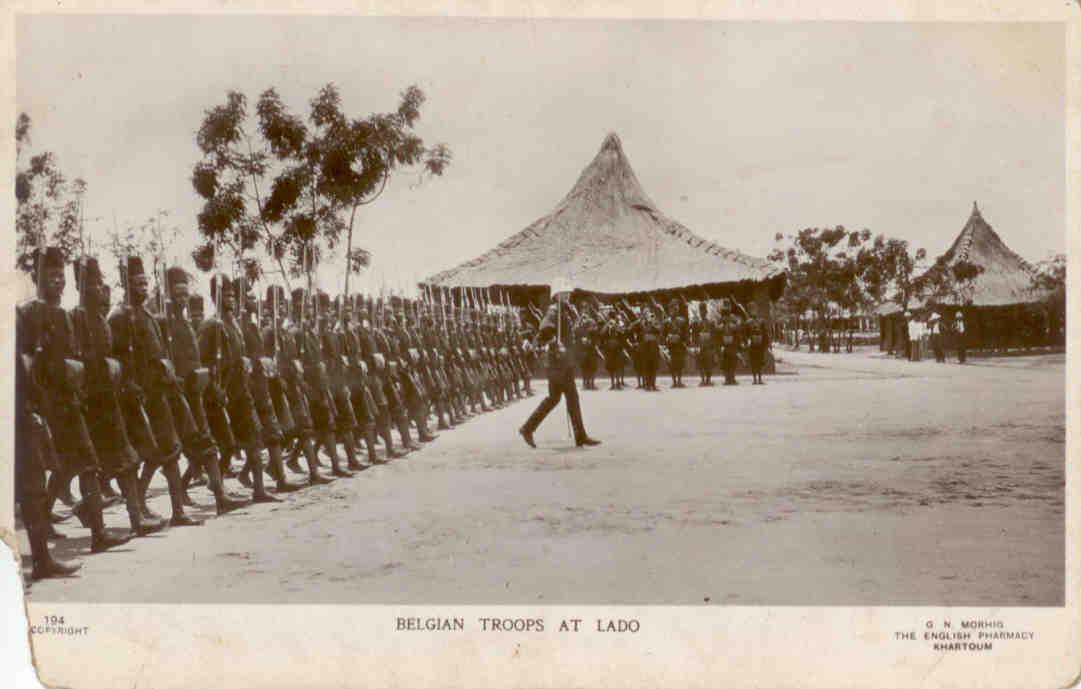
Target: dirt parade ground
847, 480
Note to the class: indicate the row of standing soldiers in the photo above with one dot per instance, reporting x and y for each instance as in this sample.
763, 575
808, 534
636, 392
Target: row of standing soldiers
108, 394
651, 335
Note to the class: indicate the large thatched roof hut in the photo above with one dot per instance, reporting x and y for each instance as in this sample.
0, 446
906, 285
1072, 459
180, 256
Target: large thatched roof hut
607, 238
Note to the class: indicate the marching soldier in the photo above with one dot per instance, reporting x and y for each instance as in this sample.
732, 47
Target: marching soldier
316, 385
222, 345
183, 343
34, 455
149, 398
375, 366
345, 420
51, 392
284, 344
560, 380
103, 379
263, 372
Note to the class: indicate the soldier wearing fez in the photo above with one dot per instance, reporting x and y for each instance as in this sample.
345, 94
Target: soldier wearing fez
151, 393
221, 344
199, 443
345, 420
286, 345
52, 385
272, 427
316, 386
103, 388
552, 329
676, 337
704, 338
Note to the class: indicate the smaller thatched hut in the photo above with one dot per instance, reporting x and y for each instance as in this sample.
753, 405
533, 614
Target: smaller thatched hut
1002, 306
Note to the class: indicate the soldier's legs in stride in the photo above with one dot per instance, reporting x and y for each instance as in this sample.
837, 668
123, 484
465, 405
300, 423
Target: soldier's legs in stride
223, 502
537, 417
59, 488
349, 444
307, 445
90, 512
276, 469
255, 463
329, 443
129, 488
33, 503
172, 477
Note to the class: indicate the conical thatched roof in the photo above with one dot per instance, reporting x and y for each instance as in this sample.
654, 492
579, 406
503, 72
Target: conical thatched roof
606, 236
1006, 277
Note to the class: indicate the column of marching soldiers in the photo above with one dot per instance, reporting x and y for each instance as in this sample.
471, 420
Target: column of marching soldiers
108, 394
618, 334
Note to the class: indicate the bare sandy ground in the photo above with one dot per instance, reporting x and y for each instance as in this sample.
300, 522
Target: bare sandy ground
859, 480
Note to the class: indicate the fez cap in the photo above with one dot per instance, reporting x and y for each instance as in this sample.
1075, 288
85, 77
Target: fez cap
176, 275
53, 258
87, 272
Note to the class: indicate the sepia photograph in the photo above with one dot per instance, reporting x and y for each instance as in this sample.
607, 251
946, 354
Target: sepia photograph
437, 312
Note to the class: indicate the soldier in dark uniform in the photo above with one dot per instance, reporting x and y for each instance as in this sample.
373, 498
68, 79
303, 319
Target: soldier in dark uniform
221, 343
560, 379
368, 354
149, 397
316, 384
587, 342
675, 337
649, 348
284, 347
614, 347
345, 420
46, 389
106, 424
757, 344
705, 340
34, 455
183, 344
195, 310
263, 370
730, 345
365, 407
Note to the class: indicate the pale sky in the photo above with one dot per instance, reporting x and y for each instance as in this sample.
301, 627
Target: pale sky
737, 130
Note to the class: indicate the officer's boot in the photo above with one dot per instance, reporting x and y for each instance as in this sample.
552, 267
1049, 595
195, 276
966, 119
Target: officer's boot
330, 444
91, 507
179, 518
140, 525
403, 430
259, 492
310, 454
349, 442
276, 469
224, 502
36, 517
144, 483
